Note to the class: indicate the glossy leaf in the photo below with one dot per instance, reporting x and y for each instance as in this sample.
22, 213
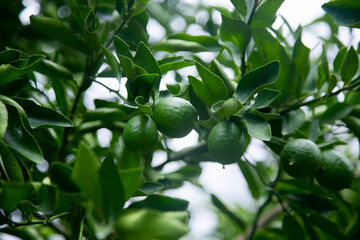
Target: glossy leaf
213, 83
265, 14
122, 48
161, 203
240, 6
349, 66
339, 59
254, 81
201, 90
226, 108
85, 173
235, 31
216, 68
10, 165
113, 63
174, 63
3, 119
257, 127
12, 193
292, 120
60, 174
39, 116
142, 85
269, 50
336, 112
292, 228
344, 12
251, 178
151, 223
20, 139
145, 59
210, 42
112, 189
58, 31
265, 97
176, 45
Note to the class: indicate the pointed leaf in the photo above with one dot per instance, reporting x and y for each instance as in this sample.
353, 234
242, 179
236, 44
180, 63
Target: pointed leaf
344, 12
226, 108
112, 189
235, 31
128, 67
258, 127
349, 66
142, 85
251, 178
20, 139
265, 97
39, 116
253, 81
85, 173
176, 45
145, 59
240, 6
174, 63
153, 224
302, 64
3, 119
209, 42
122, 48
58, 31
265, 14
113, 63
213, 83
339, 59
201, 91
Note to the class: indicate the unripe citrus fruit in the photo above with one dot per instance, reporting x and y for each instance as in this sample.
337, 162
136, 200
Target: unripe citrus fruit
226, 142
300, 158
140, 134
175, 117
336, 171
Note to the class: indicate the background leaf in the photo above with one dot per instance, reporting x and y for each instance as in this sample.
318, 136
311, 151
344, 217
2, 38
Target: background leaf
344, 12
350, 66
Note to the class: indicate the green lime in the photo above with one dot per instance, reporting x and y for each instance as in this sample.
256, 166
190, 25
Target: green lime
336, 171
300, 158
226, 142
140, 134
175, 117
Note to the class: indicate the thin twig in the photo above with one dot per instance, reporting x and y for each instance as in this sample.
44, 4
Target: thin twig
111, 90
258, 214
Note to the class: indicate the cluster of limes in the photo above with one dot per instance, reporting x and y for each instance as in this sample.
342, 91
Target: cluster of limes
302, 158
174, 117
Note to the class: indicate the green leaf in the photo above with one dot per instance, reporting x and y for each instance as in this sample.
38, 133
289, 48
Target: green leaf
3, 119
9, 56
142, 85
112, 189
48, 198
265, 97
270, 49
302, 64
129, 67
201, 90
145, 59
251, 178
292, 228
209, 42
255, 80
19, 67
344, 12
10, 165
60, 174
153, 224
122, 48
314, 130
226, 108
235, 31
349, 66
91, 21
53, 70
58, 31
353, 124
150, 188
339, 59
216, 68
85, 173
174, 63
257, 127
336, 112
293, 120
213, 83
39, 116
240, 6
12, 193
265, 14
325, 65
62, 98
113, 63
188, 43
161, 203
20, 139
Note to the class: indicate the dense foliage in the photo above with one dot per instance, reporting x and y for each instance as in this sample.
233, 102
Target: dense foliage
262, 83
